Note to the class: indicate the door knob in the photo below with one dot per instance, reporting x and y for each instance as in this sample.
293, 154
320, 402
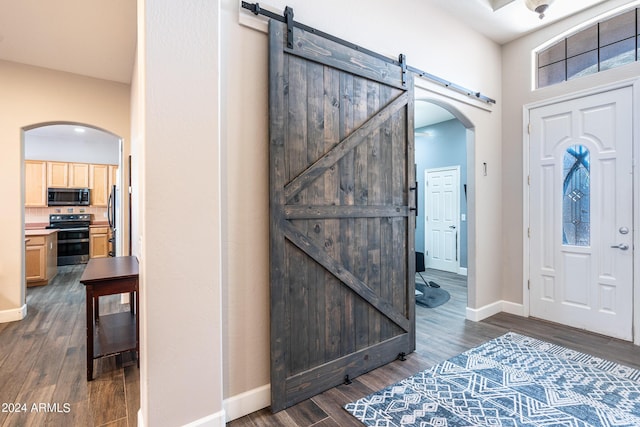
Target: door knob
623, 230
621, 246
453, 227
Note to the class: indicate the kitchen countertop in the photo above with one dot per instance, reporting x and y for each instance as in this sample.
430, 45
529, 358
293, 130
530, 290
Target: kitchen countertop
40, 232
35, 225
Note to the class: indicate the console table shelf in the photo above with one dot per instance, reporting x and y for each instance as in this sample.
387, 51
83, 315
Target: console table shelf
115, 333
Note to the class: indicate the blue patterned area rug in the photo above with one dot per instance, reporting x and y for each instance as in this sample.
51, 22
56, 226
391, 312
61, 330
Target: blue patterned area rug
510, 381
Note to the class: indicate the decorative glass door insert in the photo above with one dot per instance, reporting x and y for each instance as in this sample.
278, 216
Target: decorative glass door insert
576, 209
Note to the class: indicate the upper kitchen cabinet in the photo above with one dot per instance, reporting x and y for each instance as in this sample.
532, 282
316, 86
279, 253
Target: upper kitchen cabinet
99, 184
35, 182
42, 174
67, 175
57, 174
78, 175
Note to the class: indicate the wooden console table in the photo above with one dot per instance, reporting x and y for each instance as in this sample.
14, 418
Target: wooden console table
112, 333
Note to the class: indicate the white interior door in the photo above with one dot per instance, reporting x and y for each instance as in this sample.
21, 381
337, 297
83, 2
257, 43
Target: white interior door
442, 207
581, 246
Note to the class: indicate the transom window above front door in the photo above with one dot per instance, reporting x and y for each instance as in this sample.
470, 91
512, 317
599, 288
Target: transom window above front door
610, 43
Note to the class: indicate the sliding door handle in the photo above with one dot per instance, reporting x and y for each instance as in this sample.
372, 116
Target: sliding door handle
415, 198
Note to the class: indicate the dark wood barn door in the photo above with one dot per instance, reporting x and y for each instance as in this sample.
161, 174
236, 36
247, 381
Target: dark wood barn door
342, 224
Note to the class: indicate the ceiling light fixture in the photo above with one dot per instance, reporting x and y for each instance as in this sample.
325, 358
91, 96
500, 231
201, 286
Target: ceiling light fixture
79, 130
538, 6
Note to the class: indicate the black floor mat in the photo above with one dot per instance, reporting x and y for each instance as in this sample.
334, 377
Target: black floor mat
431, 296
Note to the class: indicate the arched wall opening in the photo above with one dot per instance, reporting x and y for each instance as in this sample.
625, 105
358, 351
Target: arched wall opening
445, 140
78, 143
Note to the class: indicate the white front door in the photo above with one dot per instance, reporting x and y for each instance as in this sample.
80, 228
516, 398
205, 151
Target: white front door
581, 228
442, 204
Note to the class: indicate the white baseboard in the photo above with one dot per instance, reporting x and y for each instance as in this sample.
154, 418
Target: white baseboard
513, 308
213, 420
247, 402
13, 314
234, 407
478, 314
462, 271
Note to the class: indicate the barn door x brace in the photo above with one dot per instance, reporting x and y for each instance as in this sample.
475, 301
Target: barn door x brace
287, 18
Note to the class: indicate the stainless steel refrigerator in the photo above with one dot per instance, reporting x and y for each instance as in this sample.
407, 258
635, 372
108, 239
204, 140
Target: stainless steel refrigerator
112, 210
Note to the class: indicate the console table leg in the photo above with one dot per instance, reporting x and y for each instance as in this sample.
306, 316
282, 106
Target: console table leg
89, 304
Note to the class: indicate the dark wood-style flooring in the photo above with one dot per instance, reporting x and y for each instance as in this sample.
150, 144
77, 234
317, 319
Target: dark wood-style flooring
43, 363
441, 333
42, 360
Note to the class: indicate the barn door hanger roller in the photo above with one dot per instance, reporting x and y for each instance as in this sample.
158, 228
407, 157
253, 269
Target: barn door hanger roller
287, 18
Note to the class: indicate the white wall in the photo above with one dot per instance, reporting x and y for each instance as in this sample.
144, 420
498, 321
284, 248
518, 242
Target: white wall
176, 108
432, 41
31, 96
517, 70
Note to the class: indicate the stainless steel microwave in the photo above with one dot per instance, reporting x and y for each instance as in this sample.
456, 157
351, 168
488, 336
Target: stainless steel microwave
68, 196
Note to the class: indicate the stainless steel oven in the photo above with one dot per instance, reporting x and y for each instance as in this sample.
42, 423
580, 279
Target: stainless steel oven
73, 237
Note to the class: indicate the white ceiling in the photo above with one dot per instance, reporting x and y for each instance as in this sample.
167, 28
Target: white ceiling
65, 143
427, 114
511, 18
73, 133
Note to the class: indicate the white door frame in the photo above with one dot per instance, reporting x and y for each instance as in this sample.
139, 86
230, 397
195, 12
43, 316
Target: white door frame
457, 209
635, 85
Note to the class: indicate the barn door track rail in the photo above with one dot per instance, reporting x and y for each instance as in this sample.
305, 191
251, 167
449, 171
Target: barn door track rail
287, 18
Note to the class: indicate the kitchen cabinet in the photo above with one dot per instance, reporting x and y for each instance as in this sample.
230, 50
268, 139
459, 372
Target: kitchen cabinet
99, 242
42, 174
99, 184
41, 253
58, 174
78, 175
35, 183
35, 260
67, 175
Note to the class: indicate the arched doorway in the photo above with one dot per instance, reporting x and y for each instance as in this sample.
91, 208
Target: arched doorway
444, 140
74, 155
